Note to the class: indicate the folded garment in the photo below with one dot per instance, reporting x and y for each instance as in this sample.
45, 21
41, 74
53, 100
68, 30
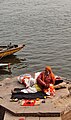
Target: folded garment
21, 95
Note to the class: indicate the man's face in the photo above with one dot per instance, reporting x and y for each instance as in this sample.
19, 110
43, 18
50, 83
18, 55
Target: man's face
46, 72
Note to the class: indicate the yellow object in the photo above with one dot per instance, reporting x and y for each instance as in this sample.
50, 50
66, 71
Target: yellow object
45, 97
37, 87
37, 99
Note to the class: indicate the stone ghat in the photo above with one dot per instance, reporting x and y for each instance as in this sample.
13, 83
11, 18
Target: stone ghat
56, 107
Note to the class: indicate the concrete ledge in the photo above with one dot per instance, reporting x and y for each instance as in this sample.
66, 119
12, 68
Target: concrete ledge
66, 116
8, 116
36, 114
51, 108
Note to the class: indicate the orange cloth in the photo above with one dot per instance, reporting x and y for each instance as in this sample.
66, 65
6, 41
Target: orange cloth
51, 75
48, 68
46, 78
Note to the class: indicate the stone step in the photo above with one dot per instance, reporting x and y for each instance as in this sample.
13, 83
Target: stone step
9, 116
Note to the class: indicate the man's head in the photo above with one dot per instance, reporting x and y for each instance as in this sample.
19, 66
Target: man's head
48, 69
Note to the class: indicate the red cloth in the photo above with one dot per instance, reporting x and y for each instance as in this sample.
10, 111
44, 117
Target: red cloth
44, 80
28, 102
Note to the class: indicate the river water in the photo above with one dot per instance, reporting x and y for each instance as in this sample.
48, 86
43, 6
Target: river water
44, 26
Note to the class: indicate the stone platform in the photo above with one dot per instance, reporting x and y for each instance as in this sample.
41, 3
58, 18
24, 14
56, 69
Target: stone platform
54, 107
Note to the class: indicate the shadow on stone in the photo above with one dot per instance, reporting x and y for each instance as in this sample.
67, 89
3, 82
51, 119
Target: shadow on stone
2, 113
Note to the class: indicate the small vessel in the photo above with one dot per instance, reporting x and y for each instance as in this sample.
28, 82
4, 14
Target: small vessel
4, 65
9, 50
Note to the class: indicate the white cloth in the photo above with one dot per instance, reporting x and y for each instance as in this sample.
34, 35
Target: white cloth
29, 90
29, 82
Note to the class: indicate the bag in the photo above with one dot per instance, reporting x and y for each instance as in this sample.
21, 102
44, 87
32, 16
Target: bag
26, 79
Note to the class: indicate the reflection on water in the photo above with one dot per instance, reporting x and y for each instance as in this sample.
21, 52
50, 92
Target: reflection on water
10, 59
44, 26
5, 71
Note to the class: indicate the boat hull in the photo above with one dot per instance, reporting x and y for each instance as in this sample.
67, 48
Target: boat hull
10, 51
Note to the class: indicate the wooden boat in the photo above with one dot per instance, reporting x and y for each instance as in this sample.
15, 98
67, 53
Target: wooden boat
4, 65
5, 68
9, 50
